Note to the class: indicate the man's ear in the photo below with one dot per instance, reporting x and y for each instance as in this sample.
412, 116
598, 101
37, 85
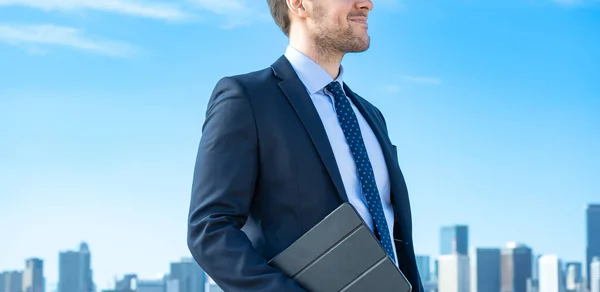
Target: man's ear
297, 8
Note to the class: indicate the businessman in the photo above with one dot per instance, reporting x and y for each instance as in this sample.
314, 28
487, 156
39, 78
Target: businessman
284, 146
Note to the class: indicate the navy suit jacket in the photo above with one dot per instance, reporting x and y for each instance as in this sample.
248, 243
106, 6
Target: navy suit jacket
265, 174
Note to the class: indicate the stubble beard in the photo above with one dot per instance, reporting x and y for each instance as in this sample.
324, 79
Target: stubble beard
335, 42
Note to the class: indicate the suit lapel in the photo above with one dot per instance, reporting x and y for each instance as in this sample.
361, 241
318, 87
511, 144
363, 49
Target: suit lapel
296, 94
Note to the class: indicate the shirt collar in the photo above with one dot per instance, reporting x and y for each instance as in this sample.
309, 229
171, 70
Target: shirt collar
313, 76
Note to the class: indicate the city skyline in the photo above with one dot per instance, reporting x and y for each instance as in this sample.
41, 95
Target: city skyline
493, 106
592, 234
470, 258
185, 267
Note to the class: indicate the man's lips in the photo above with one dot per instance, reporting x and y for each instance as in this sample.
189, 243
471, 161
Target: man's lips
359, 19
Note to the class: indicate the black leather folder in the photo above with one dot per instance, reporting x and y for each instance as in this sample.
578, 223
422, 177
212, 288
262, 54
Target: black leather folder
341, 254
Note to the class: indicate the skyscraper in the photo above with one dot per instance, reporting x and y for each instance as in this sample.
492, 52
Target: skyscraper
154, 285
593, 236
435, 270
516, 267
13, 281
454, 239
453, 273
423, 267
535, 267
573, 276
211, 286
595, 275
533, 284
127, 284
33, 276
188, 275
75, 272
550, 277
485, 270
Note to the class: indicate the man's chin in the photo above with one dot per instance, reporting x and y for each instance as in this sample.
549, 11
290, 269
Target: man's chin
362, 46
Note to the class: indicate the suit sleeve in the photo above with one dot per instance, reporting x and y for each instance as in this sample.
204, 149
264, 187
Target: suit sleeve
222, 191
410, 251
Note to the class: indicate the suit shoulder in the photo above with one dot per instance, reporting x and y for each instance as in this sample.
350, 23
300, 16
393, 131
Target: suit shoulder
251, 81
243, 85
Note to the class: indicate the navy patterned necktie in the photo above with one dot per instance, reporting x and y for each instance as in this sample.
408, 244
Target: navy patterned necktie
351, 129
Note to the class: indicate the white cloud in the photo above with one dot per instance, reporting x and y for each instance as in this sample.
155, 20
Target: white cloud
128, 7
234, 13
422, 80
32, 36
38, 39
222, 6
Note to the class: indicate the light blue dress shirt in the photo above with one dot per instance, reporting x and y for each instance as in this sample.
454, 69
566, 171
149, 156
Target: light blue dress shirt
315, 78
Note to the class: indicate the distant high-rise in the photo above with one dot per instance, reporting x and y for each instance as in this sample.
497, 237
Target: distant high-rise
516, 267
454, 239
13, 281
157, 285
423, 267
75, 272
127, 284
453, 273
593, 236
595, 275
550, 277
435, 270
532, 285
211, 286
485, 270
33, 276
188, 275
535, 267
573, 276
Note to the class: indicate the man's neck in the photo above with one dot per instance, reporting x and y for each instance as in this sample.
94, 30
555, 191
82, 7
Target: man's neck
328, 60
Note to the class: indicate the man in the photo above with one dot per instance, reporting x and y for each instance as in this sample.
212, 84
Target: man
283, 147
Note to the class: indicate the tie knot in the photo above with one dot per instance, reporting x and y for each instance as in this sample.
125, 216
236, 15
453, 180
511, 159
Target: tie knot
335, 88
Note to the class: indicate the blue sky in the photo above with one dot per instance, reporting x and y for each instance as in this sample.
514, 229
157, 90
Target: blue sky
493, 105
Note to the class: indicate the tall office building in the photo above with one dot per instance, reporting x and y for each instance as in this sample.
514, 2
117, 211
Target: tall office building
532, 285
423, 267
188, 275
75, 272
435, 270
127, 284
485, 270
535, 269
211, 286
573, 276
516, 267
453, 273
454, 239
593, 236
13, 281
550, 275
33, 276
171, 285
156, 285
595, 275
